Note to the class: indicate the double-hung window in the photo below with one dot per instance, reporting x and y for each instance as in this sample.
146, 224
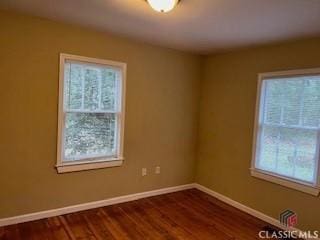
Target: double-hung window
91, 113
287, 129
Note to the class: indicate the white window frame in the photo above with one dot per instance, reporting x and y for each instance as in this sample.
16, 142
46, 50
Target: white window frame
306, 187
100, 161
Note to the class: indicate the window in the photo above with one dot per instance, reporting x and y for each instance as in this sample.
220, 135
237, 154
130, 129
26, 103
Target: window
91, 113
287, 132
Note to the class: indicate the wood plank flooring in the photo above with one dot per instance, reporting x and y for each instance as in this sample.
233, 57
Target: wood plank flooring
187, 215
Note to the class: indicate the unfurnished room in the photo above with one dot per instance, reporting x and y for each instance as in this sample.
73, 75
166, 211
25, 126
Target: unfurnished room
159, 119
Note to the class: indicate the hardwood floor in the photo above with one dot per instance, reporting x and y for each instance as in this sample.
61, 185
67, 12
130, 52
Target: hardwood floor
185, 215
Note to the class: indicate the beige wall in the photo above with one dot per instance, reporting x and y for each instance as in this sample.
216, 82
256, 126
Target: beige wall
161, 116
226, 128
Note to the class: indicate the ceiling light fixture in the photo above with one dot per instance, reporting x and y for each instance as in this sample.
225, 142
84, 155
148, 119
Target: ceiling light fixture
163, 5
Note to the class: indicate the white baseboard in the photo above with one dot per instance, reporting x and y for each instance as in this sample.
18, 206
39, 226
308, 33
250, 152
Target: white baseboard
90, 205
247, 209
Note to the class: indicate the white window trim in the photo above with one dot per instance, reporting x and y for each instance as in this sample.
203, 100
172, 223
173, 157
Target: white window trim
302, 186
103, 162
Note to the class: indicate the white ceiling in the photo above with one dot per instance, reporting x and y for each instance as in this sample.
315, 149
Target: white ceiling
201, 26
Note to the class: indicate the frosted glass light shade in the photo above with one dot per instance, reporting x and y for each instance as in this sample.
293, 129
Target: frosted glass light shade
163, 5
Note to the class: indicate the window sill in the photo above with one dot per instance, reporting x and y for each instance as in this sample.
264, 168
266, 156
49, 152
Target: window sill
286, 182
83, 166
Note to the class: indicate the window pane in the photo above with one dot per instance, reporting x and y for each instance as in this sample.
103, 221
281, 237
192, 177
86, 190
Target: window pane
273, 101
90, 88
73, 87
311, 102
289, 152
293, 101
108, 89
89, 135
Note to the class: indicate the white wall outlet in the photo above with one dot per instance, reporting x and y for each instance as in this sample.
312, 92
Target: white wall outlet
157, 171
144, 172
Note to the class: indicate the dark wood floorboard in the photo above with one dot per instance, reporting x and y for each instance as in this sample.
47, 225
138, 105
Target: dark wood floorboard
187, 215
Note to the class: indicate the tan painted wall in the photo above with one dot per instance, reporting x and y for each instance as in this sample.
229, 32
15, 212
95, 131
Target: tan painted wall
161, 116
226, 128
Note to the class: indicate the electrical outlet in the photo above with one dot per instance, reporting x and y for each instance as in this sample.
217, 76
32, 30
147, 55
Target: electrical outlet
144, 172
157, 171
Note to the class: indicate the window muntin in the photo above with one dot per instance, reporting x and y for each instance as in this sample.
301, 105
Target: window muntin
287, 143
91, 110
